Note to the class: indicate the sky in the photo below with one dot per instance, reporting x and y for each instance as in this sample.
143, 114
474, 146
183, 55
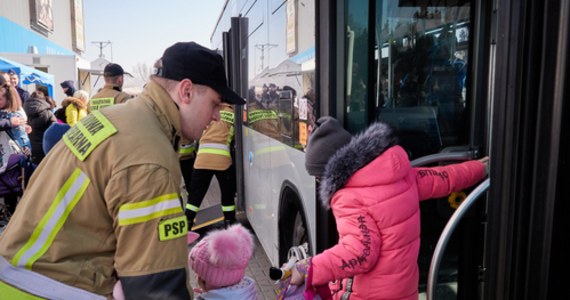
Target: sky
140, 30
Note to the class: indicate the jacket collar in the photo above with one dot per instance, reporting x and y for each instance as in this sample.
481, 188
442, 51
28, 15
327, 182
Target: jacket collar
166, 108
361, 150
113, 87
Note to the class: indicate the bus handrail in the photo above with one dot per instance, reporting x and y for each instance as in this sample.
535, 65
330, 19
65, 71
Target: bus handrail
446, 235
446, 156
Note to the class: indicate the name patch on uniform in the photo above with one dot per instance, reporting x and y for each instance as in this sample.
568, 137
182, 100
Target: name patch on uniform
87, 134
172, 228
98, 103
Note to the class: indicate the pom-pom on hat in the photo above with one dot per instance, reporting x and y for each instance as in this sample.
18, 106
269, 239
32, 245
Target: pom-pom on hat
221, 257
326, 139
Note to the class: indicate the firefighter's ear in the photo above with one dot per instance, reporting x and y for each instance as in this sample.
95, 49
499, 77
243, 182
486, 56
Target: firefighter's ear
185, 91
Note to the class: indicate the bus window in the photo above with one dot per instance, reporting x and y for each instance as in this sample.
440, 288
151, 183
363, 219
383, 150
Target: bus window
280, 99
357, 66
420, 60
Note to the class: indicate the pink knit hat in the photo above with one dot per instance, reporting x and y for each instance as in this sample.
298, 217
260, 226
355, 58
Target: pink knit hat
220, 259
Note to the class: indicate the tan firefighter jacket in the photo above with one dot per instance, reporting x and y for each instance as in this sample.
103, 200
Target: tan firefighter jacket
214, 149
264, 120
107, 96
106, 200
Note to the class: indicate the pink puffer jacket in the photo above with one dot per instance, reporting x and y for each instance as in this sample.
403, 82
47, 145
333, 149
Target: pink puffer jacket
374, 194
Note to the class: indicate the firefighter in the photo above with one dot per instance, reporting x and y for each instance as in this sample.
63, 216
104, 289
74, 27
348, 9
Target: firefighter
214, 158
112, 91
105, 204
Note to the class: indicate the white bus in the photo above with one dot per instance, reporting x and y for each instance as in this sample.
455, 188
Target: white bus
457, 79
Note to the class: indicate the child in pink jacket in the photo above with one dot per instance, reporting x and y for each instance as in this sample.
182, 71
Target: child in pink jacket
374, 194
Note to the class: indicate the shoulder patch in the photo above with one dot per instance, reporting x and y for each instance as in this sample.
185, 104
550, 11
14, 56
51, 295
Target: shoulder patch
87, 134
98, 103
170, 229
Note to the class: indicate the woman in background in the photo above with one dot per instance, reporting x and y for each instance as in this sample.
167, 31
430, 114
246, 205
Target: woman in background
40, 117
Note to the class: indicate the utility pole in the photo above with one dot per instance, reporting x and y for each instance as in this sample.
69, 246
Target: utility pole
103, 45
262, 48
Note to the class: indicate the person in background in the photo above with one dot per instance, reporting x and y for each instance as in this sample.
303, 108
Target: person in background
6, 77
10, 107
47, 97
15, 82
112, 93
374, 194
12, 122
22, 129
214, 158
68, 87
187, 157
105, 203
40, 117
219, 261
75, 107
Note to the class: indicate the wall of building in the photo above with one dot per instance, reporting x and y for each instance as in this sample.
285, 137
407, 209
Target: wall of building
50, 44
22, 12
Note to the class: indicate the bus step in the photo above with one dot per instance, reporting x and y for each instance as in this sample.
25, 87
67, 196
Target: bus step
208, 216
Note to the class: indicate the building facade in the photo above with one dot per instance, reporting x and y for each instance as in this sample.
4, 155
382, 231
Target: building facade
47, 35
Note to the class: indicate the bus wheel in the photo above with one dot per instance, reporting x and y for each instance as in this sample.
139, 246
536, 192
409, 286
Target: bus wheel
299, 230
292, 232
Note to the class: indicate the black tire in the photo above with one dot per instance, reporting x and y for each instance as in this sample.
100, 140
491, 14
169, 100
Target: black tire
292, 231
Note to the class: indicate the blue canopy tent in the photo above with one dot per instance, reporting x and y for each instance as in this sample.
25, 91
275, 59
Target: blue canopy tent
28, 75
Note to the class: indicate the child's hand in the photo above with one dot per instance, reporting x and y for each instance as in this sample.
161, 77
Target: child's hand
27, 151
297, 278
300, 271
28, 128
17, 121
485, 162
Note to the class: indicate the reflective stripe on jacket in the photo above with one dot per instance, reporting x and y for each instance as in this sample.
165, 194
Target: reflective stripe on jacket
18, 283
214, 151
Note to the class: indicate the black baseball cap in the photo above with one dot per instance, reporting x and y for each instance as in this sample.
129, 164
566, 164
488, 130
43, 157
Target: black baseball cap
199, 64
112, 69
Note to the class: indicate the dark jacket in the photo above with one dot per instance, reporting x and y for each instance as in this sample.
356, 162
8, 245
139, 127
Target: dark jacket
24, 95
40, 118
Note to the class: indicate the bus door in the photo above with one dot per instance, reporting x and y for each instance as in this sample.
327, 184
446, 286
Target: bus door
417, 69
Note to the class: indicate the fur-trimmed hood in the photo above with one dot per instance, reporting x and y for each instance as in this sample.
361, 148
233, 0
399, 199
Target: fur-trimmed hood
78, 103
362, 149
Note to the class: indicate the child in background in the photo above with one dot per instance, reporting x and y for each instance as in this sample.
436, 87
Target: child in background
219, 261
374, 194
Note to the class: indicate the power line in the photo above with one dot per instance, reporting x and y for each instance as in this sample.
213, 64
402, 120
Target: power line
262, 48
102, 45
